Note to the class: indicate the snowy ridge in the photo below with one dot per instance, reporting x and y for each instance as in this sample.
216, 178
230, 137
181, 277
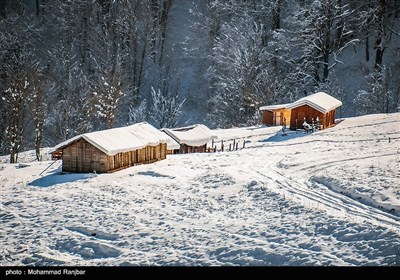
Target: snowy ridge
327, 198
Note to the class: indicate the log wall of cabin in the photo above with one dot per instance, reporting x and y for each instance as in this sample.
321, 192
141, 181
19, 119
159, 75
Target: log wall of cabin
268, 118
83, 157
186, 149
330, 118
147, 154
276, 117
287, 114
309, 113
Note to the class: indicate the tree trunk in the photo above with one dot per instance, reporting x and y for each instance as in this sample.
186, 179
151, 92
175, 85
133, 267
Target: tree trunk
276, 24
326, 48
379, 41
38, 127
367, 46
15, 129
37, 7
154, 14
276, 15
163, 26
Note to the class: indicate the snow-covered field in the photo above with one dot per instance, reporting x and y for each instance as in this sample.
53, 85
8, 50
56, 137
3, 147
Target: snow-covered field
327, 198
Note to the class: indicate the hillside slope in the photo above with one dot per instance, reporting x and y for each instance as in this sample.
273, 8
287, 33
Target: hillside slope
327, 198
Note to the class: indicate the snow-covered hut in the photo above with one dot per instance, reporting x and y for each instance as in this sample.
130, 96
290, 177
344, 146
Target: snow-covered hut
275, 115
191, 139
318, 105
112, 149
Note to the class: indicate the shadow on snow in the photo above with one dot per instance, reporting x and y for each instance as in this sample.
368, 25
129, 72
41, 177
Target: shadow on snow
56, 177
289, 134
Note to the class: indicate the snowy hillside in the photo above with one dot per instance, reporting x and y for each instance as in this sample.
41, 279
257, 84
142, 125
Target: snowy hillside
327, 198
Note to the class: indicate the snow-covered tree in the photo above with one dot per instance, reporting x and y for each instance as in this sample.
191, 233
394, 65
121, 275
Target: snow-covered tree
36, 103
138, 113
18, 31
133, 26
238, 74
377, 98
318, 32
244, 73
108, 95
377, 21
15, 98
166, 107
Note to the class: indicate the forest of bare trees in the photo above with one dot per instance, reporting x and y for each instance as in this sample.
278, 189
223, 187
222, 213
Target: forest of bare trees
70, 67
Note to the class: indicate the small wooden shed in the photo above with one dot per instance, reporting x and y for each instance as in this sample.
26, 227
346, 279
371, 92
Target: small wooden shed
275, 115
318, 105
191, 139
112, 149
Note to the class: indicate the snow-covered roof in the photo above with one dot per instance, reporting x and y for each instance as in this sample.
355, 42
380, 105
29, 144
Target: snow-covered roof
121, 139
320, 101
195, 135
273, 107
171, 143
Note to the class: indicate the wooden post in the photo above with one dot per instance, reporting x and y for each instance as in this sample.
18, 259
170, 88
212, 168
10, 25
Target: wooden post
215, 148
389, 139
244, 143
222, 145
230, 146
234, 143
237, 145
212, 142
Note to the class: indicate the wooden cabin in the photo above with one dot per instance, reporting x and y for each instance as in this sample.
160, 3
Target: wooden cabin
191, 139
274, 115
318, 105
112, 149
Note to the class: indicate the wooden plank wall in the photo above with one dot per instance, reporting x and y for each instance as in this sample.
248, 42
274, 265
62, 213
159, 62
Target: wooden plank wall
268, 117
81, 156
276, 117
302, 112
186, 149
287, 115
310, 113
145, 155
329, 118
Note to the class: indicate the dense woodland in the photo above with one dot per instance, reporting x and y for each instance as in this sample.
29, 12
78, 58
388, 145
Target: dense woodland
69, 67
